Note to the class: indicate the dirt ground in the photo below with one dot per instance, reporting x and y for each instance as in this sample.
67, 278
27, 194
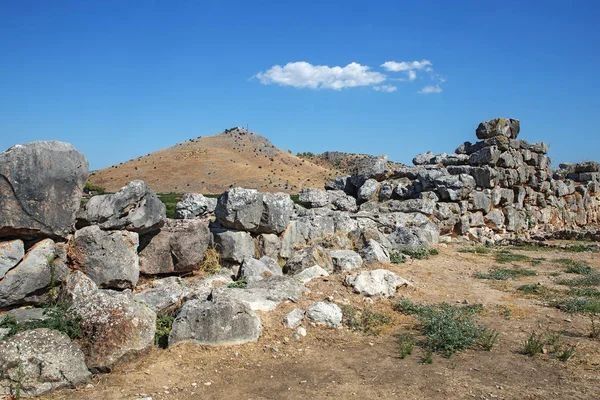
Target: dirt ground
340, 363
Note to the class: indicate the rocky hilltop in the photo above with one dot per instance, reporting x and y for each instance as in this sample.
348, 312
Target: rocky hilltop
213, 164
212, 268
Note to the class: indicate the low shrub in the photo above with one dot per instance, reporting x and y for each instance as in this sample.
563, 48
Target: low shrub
365, 321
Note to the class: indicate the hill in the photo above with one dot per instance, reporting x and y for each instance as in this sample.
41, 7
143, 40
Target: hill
212, 164
235, 157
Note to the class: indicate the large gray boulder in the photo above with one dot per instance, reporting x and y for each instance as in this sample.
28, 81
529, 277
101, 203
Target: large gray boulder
257, 270
313, 198
373, 252
109, 258
328, 314
11, 253
39, 361
345, 260
407, 240
40, 189
113, 325
220, 323
134, 208
263, 295
277, 211
306, 258
28, 282
194, 205
240, 209
498, 127
251, 211
179, 246
379, 282
368, 190
164, 293
369, 168
234, 246
268, 244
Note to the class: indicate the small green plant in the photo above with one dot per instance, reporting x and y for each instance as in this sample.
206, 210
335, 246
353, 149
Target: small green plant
476, 250
419, 253
591, 279
241, 283
406, 344
537, 289
170, 200
584, 292
163, 328
59, 318
566, 353
487, 338
427, 357
575, 267
533, 345
448, 328
365, 321
397, 258
554, 339
502, 274
505, 256
505, 311
434, 252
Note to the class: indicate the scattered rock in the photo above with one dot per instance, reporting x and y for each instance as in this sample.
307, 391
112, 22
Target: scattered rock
294, 318
194, 205
325, 314
379, 282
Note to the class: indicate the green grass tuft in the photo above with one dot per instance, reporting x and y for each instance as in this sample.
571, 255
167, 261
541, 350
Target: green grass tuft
502, 274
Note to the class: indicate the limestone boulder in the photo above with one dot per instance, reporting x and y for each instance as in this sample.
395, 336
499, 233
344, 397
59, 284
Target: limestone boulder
39, 361
234, 246
313, 198
179, 246
257, 270
379, 282
374, 252
40, 189
306, 258
194, 205
311, 273
11, 253
109, 258
28, 282
328, 314
498, 127
220, 323
134, 208
345, 260
113, 324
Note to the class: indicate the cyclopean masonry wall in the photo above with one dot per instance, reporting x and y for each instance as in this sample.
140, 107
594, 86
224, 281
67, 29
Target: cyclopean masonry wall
500, 187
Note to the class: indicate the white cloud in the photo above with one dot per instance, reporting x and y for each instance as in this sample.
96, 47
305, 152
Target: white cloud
305, 75
412, 75
394, 66
431, 89
385, 88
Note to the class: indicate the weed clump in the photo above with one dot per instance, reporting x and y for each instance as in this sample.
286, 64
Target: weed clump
164, 323
502, 274
365, 321
241, 283
448, 329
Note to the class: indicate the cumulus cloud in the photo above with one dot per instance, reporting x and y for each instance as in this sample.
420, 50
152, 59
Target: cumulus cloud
431, 89
305, 75
385, 88
408, 67
394, 66
302, 74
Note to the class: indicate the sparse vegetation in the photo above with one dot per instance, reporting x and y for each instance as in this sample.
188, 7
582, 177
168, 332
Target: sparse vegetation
241, 283
170, 200
533, 345
505, 256
406, 345
163, 328
591, 279
212, 262
502, 274
397, 258
448, 328
476, 250
536, 289
365, 320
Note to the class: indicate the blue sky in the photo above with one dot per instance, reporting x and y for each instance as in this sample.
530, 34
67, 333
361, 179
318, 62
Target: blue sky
120, 79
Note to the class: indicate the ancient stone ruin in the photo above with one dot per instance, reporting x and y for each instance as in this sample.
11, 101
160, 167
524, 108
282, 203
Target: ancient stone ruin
86, 260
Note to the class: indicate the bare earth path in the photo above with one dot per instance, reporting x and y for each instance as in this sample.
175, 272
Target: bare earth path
340, 363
